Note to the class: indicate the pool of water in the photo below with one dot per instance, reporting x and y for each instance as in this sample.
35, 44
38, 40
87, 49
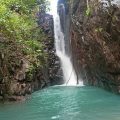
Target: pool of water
65, 103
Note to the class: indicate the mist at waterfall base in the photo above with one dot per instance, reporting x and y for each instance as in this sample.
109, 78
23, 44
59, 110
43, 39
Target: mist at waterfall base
69, 74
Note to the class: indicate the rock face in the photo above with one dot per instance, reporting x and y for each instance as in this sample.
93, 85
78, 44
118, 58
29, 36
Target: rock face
95, 41
53, 62
13, 72
16, 82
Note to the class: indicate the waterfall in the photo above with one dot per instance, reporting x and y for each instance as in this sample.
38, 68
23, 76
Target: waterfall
69, 74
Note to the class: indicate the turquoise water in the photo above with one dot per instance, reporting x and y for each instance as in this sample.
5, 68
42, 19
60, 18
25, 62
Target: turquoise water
65, 103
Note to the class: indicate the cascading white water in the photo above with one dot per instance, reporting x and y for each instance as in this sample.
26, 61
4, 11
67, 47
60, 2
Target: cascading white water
67, 67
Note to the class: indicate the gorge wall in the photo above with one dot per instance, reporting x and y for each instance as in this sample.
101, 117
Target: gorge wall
54, 73
19, 73
95, 42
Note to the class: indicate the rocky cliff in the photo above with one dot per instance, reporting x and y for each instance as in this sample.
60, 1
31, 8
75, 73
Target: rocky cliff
19, 73
54, 73
95, 41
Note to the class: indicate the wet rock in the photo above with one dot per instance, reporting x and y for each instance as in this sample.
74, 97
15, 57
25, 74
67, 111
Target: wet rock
22, 82
53, 62
95, 44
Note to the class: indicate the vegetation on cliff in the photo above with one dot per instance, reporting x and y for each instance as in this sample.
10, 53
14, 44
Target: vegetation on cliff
21, 41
